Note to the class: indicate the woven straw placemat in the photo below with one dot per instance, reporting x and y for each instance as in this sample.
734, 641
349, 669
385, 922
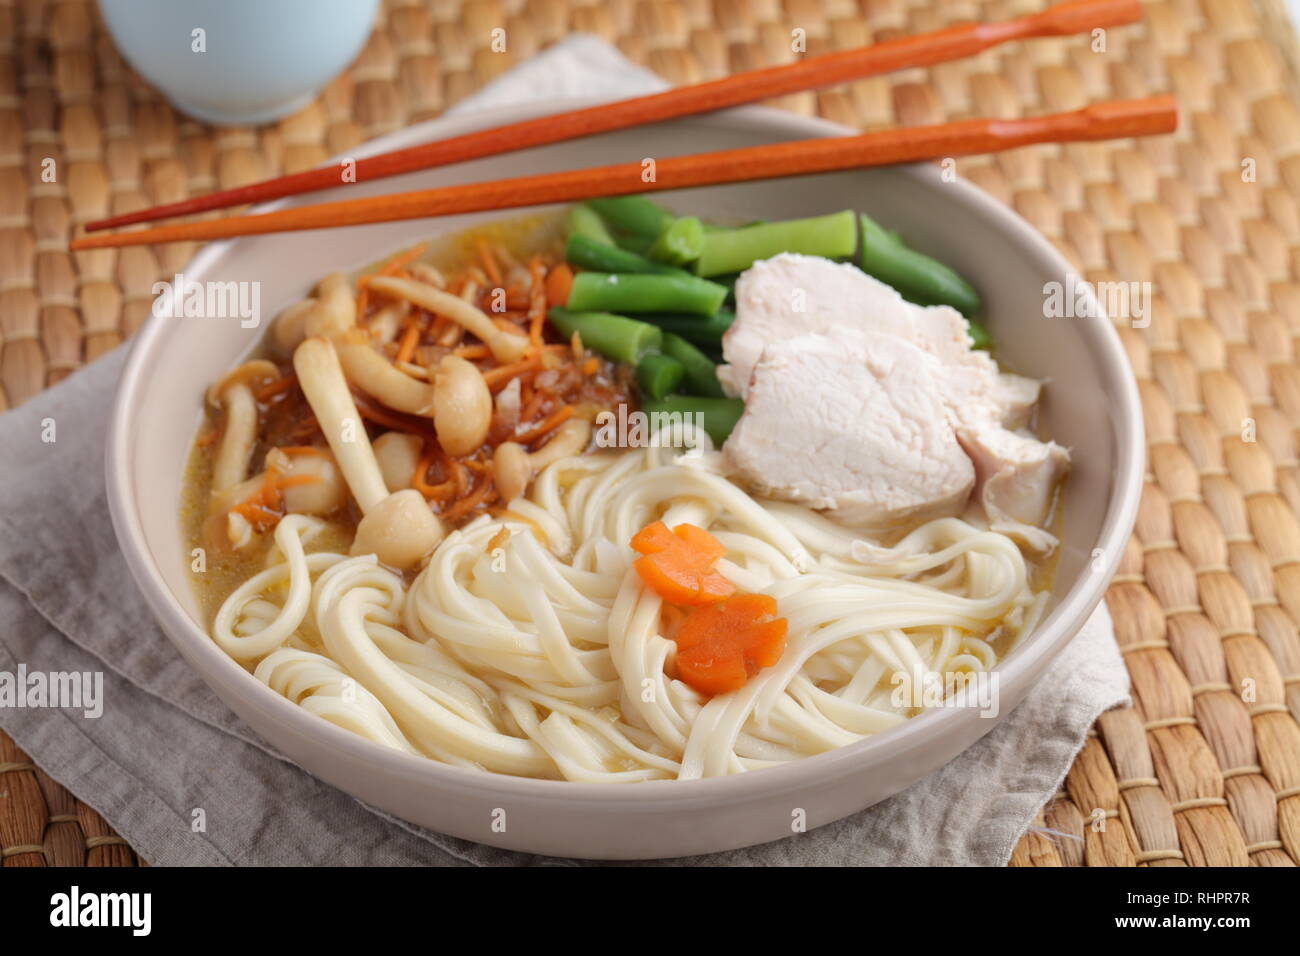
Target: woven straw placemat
1205, 768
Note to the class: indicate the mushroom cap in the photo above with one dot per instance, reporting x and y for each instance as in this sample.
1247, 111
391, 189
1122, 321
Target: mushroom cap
327, 494
288, 328
257, 370
512, 469
462, 405
400, 530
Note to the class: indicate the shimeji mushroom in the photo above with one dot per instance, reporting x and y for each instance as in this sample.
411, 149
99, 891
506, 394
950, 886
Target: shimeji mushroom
513, 467
398, 454
234, 395
505, 346
457, 399
335, 311
384, 324
399, 528
331, 312
323, 494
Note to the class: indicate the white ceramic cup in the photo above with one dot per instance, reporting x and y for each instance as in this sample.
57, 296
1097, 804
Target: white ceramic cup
239, 62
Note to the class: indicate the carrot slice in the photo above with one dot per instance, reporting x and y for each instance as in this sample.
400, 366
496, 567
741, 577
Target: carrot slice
678, 564
721, 646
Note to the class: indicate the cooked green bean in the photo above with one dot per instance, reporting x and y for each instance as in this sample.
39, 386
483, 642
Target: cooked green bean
705, 331
634, 214
701, 375
734, 250
919, 278
638, 245
614, 336
720, 414
659, 374
633, 292
979, 334
680, 243
587, 253
587, 224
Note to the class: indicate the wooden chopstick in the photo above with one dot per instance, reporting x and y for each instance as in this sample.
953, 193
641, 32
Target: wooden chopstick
926, 49
1109, 120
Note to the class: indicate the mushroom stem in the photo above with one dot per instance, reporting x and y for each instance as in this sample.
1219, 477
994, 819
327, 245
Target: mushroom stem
234, 394
505, 346
321, 378
231, 464
513, 468
377, 376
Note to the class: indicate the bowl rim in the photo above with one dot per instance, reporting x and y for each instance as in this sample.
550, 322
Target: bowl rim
1015, 675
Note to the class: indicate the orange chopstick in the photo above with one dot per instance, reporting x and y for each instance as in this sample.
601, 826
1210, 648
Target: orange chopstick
940, 46
1110, 120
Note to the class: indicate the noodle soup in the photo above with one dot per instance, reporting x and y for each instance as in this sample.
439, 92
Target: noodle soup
429, 521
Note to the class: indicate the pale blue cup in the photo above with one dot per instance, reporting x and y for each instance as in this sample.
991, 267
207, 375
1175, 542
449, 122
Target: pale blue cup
260, 59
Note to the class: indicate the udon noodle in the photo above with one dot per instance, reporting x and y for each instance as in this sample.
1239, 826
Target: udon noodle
527, 645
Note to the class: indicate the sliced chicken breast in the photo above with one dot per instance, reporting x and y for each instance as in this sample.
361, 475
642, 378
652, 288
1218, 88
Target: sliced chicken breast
851, 424
1016, 479
792, 295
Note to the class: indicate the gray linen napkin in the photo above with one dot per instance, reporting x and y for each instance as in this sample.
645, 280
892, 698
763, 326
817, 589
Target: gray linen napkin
165, 747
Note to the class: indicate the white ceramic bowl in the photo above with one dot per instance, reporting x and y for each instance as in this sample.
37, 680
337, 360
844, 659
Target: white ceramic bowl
1091, 405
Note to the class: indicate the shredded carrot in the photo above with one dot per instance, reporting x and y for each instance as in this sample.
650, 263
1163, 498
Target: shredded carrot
440, 323
591, 366
266, 500
305, 428
558, 283
410, 339
452, 334
419, 481
678, 564
275, 387
473, 351
538, 530
300, 450
489, 261
546, 425
459, 476
536, 300
721, 646
502, 374
534, 404
404, 259
469, 502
